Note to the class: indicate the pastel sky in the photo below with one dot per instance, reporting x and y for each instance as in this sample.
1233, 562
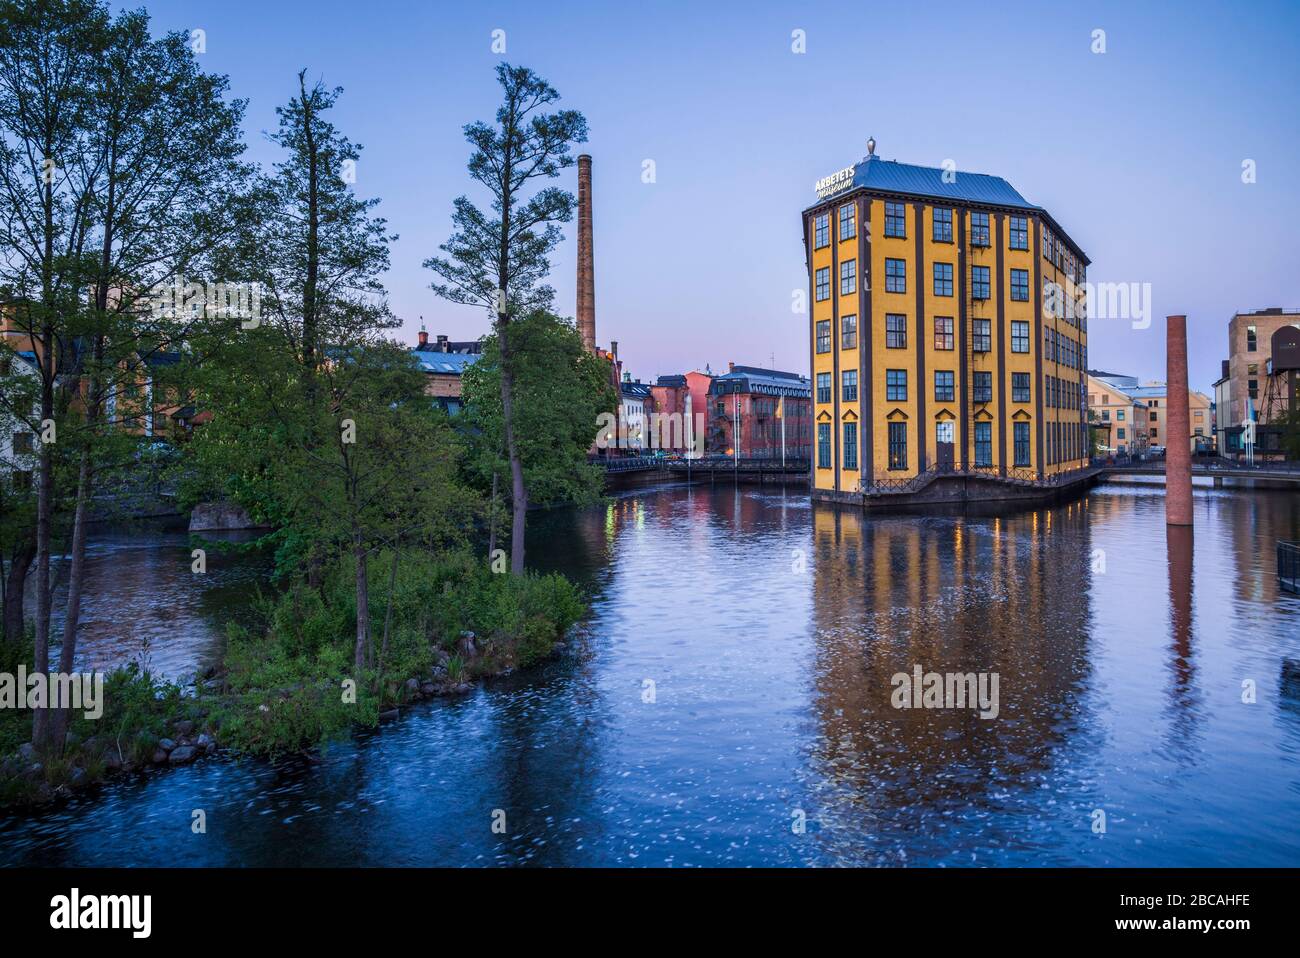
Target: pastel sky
1137, 152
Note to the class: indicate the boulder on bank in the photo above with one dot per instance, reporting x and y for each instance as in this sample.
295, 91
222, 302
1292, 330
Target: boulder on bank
223, 516
183, 755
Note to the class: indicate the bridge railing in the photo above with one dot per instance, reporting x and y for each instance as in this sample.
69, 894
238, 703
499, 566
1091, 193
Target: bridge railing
1203, 466
728, 464
626, 463
709, 463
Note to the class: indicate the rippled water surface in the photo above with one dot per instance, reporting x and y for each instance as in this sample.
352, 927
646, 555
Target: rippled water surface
770, 630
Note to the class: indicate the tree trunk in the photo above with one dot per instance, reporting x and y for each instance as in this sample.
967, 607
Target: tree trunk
15, 583
362, 652
57, 729
44, 527
518, 492
492, 519
309, 344
388, 614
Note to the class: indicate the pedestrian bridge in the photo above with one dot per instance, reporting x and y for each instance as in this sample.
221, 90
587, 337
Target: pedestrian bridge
645, 470
1264, 475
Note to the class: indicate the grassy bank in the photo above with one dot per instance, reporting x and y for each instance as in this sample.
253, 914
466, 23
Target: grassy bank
287, 681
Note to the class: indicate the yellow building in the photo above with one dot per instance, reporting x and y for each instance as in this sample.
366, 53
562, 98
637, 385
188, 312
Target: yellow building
1154, 394
948, 331
1124, 420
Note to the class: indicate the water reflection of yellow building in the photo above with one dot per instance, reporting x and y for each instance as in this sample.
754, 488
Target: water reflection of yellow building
1000, 594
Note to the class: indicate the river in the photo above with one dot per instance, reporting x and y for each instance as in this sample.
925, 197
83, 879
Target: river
730, 703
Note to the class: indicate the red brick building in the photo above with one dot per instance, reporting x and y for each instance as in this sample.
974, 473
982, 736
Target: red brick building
759, 413
670, 399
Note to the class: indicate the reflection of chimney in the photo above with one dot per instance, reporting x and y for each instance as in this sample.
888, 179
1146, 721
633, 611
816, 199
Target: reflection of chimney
424, 339
586, 260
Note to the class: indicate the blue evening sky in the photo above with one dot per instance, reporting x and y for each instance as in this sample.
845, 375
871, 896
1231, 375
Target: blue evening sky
1137, 152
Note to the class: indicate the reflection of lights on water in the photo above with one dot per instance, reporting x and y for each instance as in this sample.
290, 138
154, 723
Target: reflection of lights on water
609, 523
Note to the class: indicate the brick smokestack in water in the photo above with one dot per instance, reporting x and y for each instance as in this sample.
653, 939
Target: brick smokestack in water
586, 263
1178, 428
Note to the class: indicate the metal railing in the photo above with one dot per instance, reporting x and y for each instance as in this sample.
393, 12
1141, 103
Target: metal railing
626, 463
1018, 476
1288, 565
709, 463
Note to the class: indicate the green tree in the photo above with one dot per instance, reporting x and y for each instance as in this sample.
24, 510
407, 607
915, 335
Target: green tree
157, 214
320, 425
560, 391
499, 262
96, 196
48, 51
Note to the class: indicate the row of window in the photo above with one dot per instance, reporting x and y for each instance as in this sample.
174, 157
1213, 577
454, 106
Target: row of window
896, 333
941, 230
896, 280
1064, 350
1056, 252
944, 386
1066, 441
1064, 393
897, 446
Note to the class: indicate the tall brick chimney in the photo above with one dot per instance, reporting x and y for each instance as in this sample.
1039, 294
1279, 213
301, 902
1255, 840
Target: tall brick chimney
586, 262
1178, 427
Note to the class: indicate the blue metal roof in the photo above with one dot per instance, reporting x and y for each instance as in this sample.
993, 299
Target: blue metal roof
162, 359
890, 176
757, 379
452, 364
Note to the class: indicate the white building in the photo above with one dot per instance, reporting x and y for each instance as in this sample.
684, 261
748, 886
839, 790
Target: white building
634, 397
17, 441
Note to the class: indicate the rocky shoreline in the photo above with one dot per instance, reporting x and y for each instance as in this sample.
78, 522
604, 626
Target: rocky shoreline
97, 759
